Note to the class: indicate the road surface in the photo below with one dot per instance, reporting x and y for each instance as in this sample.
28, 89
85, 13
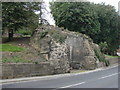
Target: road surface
107, 78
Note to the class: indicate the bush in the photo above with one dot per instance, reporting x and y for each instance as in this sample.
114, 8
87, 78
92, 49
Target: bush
101, 57
24, 31
107, 63
103, 46
35, 62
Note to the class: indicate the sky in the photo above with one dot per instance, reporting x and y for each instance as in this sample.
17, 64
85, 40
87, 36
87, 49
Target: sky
46, 13
110, 2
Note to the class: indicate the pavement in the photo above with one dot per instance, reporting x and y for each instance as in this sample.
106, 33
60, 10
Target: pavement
99, 78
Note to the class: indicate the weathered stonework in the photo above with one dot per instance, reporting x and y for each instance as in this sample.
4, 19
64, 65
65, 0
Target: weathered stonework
64, 50
58, 58
54, 52
25, 70
82, 54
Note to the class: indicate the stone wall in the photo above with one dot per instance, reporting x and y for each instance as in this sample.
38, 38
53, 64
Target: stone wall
25, 70
64, 49
112, 60
58, 58
55, 52
82, 54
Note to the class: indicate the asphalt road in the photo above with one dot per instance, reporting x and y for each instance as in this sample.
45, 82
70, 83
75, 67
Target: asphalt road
99, 79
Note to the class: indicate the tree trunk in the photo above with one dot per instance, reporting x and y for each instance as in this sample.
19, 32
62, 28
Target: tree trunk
10, 34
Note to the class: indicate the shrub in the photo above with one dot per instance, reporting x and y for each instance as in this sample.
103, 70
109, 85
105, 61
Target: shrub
101, 57
107, 63
24, 31
35, 62
103, 46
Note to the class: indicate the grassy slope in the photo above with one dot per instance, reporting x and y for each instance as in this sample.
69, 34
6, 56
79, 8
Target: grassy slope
10, 47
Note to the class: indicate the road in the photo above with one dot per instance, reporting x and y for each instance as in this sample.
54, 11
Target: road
107, 78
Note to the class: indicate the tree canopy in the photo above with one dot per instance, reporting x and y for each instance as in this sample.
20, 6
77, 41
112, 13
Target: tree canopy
76, 17
99, 21
16, 15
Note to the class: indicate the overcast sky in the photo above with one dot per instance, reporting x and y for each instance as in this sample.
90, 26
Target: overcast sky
110, 2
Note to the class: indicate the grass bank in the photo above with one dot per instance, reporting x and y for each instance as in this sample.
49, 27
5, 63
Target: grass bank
10, 48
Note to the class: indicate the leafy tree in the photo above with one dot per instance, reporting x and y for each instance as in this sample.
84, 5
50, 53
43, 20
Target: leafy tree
16, 15
77, 16
99, 21
108, 19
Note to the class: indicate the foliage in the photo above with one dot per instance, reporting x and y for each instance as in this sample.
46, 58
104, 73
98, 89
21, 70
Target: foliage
107, 63
101, 57
99, 21
110, 56
24, 31
76, 16
103, 46
58, 36
18, 14
109, 31
36, 62
9, 47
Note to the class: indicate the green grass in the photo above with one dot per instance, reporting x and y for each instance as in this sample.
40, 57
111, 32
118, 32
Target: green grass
110, 56
9, 47
79, 71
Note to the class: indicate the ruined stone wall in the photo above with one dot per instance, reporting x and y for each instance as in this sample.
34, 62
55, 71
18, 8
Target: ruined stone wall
64, 49
82, 54
59, 58
53, 51
113, 60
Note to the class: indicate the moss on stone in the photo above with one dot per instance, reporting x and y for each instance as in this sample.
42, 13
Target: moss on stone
58, 36
43, 34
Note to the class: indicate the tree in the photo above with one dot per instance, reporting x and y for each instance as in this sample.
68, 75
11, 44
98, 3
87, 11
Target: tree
76, 16
99, 21
108, 19
16, 15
